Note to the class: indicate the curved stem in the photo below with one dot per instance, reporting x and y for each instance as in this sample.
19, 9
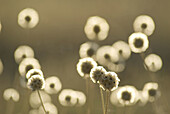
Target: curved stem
41, 101
107, 101
102, 99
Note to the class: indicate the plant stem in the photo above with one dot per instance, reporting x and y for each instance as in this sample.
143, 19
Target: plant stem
107, 101
102, 99
41, 101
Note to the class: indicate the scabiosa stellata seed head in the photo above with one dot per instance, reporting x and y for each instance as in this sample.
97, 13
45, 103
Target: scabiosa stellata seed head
28, 64
127, 95
151, 89
50, 108
88, 49
67, 97
36, 82
106, 54
97, 73
52, 85
153, 62
138, 42
22, 52
96, 28
145, 24
28, 18
11, 93
123, 49
109, 81
85, 65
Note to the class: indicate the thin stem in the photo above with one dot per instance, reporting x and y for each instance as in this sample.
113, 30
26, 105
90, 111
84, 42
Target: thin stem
41, 101
107, 101
102, 98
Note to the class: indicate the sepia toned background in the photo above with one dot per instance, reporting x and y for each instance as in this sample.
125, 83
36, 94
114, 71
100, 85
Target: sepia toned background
56, 40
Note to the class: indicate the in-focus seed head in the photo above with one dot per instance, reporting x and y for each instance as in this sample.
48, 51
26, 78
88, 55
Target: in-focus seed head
109, 81
85, 65
97, 73
36, 82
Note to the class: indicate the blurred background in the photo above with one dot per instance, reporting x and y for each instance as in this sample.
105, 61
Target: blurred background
57, 38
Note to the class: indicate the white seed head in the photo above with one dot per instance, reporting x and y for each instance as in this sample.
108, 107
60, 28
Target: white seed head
28, 18
22, 52
81, 98
127, 95
106, 54
85, 65
28, 64
151, 89
67, 97
96, 28
123, 50
88, 49
11, 93
153, 62
145, 24
52, 85
138, 42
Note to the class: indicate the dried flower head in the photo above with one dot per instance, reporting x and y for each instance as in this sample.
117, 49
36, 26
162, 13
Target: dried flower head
151, 89
96, 28
123, 50
81, 98
88, 49
85, 65
22, 52
109, 81
28, 18
145, 24
97, 73
52, 85
36, 82
106, 54
28, 64
127, 95
11, 93
153, 62
138, 42
143, 98
68, 97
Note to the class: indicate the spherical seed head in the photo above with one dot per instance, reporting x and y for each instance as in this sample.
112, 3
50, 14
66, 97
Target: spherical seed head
126, 96
145, 24
138, 42
36, 82
97, 73
85, 65
110, 81
96, 28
